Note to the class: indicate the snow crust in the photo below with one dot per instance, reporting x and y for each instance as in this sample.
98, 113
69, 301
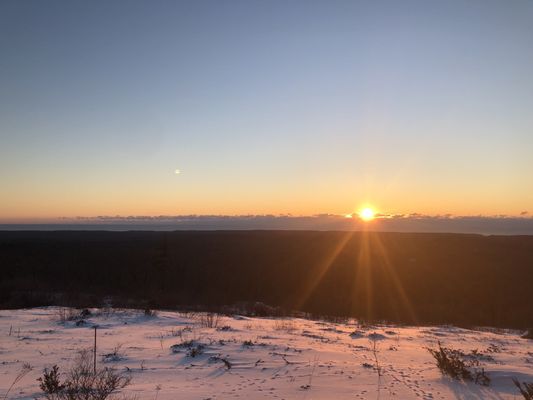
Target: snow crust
258, 358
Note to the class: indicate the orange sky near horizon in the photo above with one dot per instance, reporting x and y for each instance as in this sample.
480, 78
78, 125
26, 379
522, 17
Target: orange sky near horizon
51, 205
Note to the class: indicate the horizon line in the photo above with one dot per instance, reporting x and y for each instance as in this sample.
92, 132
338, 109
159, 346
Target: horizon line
447, 223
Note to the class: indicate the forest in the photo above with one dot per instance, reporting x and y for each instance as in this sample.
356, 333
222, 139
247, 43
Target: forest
407, 278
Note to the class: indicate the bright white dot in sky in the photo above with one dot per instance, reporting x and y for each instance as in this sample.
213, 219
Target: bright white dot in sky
177, 172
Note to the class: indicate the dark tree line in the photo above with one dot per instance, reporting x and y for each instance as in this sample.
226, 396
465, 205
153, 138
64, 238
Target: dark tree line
409, 278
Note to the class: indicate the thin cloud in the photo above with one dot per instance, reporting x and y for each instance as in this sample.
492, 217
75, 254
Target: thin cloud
500, 224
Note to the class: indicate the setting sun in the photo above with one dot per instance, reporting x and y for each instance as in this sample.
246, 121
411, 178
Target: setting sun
367, 214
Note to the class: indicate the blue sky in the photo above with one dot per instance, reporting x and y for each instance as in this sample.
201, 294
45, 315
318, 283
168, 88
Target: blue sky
265, 106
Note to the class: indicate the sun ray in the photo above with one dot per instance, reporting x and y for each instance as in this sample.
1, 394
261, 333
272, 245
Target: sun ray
381, 251
323, 268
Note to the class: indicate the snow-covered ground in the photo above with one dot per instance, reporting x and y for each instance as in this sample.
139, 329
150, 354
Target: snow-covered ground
268, 358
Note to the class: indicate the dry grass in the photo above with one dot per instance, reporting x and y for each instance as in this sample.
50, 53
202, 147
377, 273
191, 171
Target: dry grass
284, 325
26, 368
209, 320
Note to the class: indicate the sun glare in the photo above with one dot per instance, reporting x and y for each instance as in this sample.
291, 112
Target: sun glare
367, 214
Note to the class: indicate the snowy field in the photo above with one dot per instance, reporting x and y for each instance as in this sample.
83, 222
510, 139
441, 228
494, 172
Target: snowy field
258, 358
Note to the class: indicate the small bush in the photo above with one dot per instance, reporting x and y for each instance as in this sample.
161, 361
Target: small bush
82, 382
196, 350
186, 344
50, 382
193, 348
452, 363
526, 389
227, 364
209, 320
65, 314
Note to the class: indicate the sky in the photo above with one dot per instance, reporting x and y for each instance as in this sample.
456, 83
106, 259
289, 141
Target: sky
265, 107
